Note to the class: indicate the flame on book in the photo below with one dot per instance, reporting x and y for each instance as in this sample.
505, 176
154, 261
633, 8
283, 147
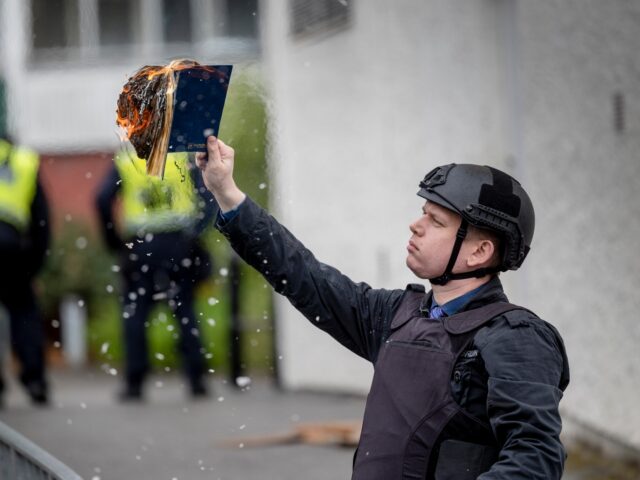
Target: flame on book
145, 111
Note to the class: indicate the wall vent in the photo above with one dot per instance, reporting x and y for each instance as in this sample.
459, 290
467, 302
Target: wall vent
619, 120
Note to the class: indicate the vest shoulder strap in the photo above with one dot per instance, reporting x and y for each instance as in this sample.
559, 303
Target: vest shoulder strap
460, 323
471, 319
409, 304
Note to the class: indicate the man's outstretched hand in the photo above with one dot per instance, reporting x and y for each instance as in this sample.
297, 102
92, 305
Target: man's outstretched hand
217, 172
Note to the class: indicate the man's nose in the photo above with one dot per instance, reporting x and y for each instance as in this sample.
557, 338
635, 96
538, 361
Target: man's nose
415, 228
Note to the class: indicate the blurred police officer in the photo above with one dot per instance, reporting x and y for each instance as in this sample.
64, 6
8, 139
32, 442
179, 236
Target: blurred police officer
161, 256
24, 239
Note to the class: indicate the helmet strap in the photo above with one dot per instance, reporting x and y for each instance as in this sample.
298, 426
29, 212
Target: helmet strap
448, 272
460, 236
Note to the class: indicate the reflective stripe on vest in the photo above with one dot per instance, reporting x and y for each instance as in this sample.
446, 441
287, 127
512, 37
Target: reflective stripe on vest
18, 177
153, 205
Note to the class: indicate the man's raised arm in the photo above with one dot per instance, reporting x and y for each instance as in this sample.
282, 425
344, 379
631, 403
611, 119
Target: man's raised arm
353, 313
217, 173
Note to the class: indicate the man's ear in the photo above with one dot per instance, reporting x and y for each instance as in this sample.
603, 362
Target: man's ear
483, 253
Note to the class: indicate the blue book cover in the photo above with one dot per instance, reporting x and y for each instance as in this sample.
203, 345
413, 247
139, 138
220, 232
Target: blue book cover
198, 103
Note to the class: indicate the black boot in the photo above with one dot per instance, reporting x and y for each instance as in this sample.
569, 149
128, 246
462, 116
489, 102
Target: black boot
132, 392
38, 392
199, 388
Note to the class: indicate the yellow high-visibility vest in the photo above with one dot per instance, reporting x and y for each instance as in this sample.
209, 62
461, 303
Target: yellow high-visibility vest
18, 177
152, 205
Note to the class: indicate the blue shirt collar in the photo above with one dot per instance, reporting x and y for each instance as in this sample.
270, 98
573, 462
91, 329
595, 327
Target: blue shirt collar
454, 306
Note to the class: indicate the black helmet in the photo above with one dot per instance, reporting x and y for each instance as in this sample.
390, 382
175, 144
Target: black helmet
485, 198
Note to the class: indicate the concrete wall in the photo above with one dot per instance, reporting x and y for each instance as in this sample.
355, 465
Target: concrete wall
361, 116
585, 179
362, 113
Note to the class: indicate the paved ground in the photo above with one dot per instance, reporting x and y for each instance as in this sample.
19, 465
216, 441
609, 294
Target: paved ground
173, 438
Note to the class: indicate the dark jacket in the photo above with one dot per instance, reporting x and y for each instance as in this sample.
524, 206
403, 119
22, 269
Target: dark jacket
26, 251
514, 380
165, 249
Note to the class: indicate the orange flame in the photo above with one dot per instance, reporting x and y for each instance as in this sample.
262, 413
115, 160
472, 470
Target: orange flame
136, 124
138, 118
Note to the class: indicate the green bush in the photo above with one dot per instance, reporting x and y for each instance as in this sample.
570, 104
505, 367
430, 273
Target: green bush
244, 127
77, 264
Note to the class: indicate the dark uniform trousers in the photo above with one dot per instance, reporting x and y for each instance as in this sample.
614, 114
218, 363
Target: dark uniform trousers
27, 332
161, 277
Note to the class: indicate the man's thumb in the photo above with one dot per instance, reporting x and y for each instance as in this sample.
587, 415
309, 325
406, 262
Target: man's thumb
213, 148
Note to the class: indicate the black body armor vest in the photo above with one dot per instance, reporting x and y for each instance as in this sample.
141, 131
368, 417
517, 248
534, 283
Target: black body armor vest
413, 428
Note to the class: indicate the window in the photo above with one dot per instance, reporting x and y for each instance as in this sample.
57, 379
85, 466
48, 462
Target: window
54, 23
312, 16
100, 30
176, 21
115, 21
242, 18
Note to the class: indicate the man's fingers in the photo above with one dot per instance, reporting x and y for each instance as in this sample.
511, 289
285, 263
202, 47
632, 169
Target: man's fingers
214, 149
225, 150
201, 160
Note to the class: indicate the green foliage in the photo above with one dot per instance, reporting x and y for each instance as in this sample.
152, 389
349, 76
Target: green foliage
212, 313
77, 264
244, 127
105, 330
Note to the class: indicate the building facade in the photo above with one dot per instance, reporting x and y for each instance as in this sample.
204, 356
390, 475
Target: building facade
368, 96
64, 63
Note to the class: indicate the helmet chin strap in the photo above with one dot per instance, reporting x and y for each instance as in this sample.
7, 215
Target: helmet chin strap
448, 272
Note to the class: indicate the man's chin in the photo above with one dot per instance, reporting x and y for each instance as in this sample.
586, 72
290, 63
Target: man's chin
416, 271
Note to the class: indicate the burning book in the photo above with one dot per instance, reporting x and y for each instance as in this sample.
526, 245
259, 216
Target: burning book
172, 108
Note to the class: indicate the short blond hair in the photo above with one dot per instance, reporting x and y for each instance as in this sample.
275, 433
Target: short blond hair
477, 233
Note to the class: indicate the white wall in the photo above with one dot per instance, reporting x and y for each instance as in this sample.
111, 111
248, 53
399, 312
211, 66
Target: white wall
362, 114
586, 183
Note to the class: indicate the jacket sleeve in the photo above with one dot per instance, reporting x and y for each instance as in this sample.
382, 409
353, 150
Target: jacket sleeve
104, 205
352, 313
528, 371
39, 230
207, 205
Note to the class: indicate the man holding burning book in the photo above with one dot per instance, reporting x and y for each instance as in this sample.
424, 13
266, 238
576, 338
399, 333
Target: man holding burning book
466, 386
